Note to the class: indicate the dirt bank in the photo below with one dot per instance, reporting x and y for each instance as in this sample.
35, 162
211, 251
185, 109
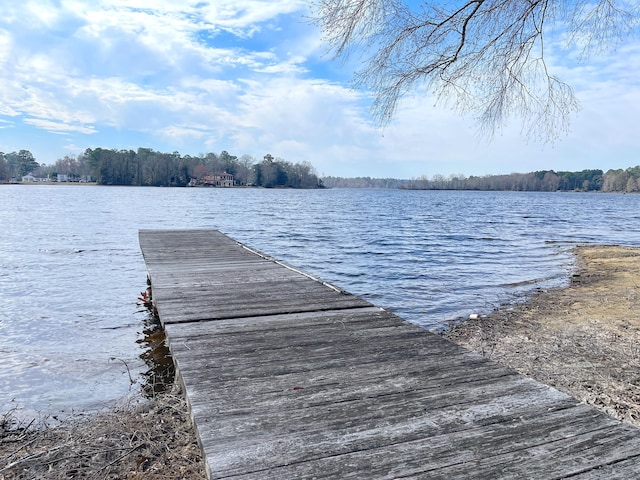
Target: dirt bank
583, 339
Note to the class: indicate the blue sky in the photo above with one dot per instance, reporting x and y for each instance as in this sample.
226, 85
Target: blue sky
253, 77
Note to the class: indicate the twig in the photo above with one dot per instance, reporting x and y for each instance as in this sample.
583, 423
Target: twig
127, 366
21, 448
140, 445
31, 457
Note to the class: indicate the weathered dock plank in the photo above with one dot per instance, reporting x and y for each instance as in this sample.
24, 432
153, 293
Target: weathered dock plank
289, 378
497, 450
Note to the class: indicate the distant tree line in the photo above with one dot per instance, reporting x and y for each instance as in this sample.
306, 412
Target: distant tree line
624, 181
147, 167
363, 182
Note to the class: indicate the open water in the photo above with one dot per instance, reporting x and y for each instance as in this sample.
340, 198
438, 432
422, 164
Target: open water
71, 269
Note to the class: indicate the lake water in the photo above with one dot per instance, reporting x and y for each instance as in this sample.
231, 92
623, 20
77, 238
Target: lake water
71, 268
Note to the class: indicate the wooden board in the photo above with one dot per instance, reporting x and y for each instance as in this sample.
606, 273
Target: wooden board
289, 378
205, 275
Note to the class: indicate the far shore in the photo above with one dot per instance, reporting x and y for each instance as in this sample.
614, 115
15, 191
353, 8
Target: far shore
53, 182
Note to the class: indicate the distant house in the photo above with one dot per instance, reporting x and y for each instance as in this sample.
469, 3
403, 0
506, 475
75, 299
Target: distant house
219, 180
63, 178
29, 178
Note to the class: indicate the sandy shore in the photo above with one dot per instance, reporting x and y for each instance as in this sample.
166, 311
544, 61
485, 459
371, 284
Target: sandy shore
583, 339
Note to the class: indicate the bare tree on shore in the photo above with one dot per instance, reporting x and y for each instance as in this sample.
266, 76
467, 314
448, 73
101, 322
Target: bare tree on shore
489, 58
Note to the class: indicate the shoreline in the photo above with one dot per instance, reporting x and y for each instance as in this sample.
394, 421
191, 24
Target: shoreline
583, 339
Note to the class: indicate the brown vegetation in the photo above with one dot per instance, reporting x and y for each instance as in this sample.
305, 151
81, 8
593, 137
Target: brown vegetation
583, 339
155, 441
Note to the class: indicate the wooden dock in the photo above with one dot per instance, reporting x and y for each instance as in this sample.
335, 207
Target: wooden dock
288, 378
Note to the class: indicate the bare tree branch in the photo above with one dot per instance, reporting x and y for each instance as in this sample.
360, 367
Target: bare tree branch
486, 56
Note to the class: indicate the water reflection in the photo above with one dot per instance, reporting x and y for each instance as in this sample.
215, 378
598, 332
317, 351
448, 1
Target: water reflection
160, 374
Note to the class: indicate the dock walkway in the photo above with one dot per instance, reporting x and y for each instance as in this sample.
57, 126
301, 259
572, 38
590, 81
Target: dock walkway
288, 377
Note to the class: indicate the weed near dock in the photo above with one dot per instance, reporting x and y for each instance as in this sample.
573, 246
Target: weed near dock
154, 441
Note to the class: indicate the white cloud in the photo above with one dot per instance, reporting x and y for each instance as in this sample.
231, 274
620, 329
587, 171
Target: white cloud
289, 66
122, 54
314, 112
7, 110
6, 45
242, 16
58, 127
180, 133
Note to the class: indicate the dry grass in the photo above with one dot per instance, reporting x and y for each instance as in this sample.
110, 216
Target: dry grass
154, 441
584, 339
150, 437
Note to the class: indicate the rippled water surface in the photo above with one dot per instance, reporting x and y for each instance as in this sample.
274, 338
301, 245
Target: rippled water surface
71, 268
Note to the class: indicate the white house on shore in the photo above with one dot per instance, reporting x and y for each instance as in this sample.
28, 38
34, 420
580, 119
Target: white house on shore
218, 180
